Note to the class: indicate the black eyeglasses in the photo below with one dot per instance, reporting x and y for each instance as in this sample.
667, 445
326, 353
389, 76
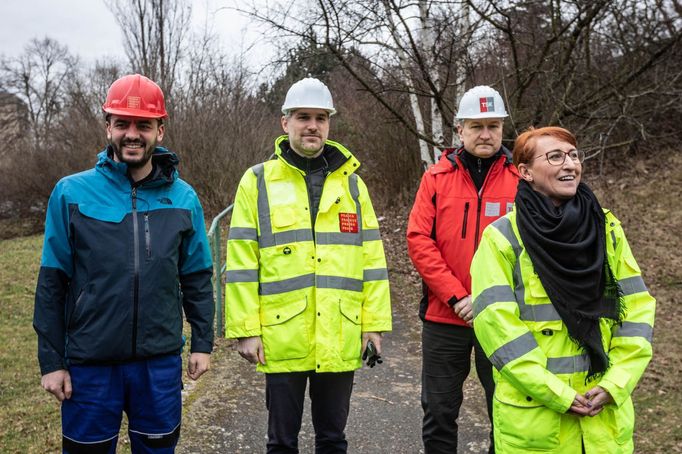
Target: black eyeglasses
558, 157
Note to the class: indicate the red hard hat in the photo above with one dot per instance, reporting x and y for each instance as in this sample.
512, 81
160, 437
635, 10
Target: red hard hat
135, 96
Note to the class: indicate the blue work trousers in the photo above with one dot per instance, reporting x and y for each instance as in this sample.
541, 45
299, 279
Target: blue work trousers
147, 390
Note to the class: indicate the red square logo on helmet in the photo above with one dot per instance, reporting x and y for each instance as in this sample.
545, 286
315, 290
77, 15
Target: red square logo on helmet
348, 222
133, 102
487, 104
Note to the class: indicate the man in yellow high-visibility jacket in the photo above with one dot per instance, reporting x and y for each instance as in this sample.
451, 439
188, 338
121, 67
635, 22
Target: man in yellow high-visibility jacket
307, 284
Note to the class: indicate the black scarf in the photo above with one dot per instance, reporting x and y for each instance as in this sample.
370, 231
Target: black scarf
567, 245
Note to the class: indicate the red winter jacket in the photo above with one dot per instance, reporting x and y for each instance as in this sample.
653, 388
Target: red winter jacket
445, 226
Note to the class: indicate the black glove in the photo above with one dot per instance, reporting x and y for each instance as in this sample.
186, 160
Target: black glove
370, 354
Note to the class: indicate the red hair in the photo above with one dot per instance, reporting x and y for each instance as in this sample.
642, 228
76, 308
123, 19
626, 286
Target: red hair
524, 146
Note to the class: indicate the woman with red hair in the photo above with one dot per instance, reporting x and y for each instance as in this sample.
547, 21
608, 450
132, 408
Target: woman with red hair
560, 309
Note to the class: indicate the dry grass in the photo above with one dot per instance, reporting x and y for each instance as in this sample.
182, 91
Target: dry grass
647, 200
29, 422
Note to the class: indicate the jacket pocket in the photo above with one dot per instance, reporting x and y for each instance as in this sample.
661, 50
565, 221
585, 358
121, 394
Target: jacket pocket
537, 290
75, 309
619, 422
351, 328
521, 422
284, 330
464, 220
283, 217
102, 212
545, 327
631, 267
553, 340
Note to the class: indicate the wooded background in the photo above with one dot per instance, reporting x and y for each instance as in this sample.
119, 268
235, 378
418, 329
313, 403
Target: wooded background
609, 70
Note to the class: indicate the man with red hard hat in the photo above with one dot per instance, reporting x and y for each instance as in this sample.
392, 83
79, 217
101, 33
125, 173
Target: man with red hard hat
125, 254
467, 189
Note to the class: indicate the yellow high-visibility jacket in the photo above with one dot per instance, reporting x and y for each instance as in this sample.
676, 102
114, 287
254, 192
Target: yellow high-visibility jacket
538, 368
310, 296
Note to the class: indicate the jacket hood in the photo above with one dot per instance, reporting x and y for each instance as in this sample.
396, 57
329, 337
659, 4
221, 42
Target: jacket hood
164, 171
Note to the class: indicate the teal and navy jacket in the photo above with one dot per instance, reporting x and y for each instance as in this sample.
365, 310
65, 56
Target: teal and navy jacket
121, 260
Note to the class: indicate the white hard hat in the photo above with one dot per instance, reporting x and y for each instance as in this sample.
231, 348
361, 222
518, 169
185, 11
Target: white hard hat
481, 101
308, 93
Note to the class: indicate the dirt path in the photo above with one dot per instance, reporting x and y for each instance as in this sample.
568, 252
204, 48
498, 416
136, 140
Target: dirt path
225, 412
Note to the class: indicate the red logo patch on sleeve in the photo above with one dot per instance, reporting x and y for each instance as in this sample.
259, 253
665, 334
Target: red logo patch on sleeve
348, 222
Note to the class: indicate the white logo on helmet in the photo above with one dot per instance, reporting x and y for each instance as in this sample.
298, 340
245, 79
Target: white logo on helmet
481, 102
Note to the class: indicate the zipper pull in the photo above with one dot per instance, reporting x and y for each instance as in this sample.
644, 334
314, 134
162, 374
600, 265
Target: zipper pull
133, 195
479, 165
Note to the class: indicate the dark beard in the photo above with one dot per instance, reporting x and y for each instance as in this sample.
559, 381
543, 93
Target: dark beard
135, 164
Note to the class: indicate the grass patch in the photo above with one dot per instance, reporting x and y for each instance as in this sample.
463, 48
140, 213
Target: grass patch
29, 421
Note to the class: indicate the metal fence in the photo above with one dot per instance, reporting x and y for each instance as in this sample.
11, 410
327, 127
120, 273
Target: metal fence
219, 265
215, 241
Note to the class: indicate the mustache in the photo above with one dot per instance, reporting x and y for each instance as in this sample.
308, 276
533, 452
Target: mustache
125, 142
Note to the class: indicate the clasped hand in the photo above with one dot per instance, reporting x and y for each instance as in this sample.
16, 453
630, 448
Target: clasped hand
465, 309
592, 403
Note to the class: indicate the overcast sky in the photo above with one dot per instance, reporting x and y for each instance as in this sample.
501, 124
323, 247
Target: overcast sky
89, 29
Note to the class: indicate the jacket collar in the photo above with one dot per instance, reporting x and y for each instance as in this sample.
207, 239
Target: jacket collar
350, 165
164, 170
449, 160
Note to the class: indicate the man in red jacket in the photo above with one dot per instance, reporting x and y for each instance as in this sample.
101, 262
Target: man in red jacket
467, 189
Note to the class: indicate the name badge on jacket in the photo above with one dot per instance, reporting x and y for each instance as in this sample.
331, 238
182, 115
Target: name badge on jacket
348, 222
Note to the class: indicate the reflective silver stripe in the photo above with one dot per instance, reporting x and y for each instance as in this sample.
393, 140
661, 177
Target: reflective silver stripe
569, 364
493, 295
355, 193
503, 225
341, 283
513, 350
632, 285
535, 312
371, 235
155, 433
292, 236
538, 312
634, 329
266, 238
90, 442
350, 239
287, 285
377, 274
243, 233
241, 276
